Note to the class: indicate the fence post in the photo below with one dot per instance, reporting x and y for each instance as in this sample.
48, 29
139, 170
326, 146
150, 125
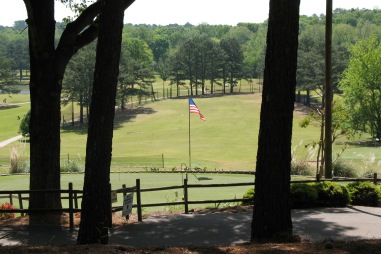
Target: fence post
11, 199
162, 159
71, 214
20, 203
375, 178
318, 177
75, 200
138, 200
124, 190
109, 196
186, 196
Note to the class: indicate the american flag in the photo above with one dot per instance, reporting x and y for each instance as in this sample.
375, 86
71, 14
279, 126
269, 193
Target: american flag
194, 109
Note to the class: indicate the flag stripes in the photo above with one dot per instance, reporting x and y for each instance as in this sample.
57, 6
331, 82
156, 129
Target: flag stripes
194, 109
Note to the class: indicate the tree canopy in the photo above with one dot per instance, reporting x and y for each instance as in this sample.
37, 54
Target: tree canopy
361, 84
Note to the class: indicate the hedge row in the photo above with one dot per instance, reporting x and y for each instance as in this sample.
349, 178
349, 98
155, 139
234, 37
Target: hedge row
329, 194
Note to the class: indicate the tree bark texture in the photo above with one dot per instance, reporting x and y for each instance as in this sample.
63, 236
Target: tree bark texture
272, 215
45, 95
96, 212
47, 65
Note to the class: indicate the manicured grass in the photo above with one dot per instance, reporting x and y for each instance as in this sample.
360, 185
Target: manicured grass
226, 140
10, 122
150, 180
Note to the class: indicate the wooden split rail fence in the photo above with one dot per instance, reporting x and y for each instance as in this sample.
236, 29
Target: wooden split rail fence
74, 195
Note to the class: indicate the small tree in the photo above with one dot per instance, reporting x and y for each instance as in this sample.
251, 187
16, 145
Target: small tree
340, 128
24, 125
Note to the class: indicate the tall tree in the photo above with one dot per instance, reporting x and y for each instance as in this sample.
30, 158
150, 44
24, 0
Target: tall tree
233, 62
361, 84
47, 65
272, 214
7, 76
136, 69
78, 81
96, 212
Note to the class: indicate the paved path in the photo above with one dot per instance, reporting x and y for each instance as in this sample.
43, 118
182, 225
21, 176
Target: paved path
8, 141
350, 223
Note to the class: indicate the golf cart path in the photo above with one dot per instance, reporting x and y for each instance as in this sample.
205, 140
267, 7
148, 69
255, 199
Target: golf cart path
8, 141
316, 225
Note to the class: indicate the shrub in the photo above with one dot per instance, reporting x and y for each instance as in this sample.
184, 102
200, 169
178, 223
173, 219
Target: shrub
342, 169
302, 195
71, 166
331, 194
364, 193
248, 194
6, 215
19, 162
300, 167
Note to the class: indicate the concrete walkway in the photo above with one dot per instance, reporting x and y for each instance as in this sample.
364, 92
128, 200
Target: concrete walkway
8, 141
350, 223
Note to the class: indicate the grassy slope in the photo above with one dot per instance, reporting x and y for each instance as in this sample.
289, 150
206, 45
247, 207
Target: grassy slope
226, 140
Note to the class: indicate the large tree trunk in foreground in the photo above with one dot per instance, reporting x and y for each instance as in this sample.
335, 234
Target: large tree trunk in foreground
47, 65
96, 212
272, 214
45, 94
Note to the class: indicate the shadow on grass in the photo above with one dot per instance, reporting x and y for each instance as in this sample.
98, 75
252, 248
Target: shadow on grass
120, 118
364, 143
8, 106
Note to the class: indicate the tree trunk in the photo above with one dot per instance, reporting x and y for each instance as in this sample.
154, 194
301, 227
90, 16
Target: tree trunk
96, 202
47, 65
272, 215
81, 108
45, 92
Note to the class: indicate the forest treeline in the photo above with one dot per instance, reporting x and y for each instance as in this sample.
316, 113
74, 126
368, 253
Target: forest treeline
219, 55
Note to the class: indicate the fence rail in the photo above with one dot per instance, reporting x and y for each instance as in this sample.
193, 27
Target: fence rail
74, 195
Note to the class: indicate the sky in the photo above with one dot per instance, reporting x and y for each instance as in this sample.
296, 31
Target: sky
164, 12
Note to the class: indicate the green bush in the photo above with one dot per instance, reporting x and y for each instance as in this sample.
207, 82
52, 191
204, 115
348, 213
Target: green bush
364, 193
331, 194
249, 194
302, 195
71, 166
301, 167
342, 169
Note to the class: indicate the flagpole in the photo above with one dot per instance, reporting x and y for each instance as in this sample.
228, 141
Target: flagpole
189, 138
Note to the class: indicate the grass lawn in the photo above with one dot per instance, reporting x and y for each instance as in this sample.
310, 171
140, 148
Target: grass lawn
150, 180
226, 140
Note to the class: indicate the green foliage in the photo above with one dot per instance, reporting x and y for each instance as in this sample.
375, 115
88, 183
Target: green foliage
249, 194
24, 125
71, 166
344, 169
365, 194
331, 194
7, 75
362, 87
303, 195
173, 199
